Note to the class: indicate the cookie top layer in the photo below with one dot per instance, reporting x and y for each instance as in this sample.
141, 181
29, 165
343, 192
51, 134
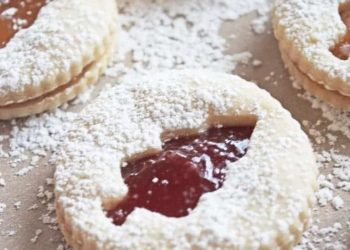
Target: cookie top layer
266, 197
66, 36
307, 30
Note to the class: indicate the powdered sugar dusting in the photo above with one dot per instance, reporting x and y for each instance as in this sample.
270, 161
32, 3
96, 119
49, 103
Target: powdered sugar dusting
56, 57
333, 196
171, 102
190, 41
339, 120
333, 187
187, 34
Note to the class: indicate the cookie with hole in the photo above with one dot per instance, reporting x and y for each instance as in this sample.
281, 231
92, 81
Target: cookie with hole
185, 160
314, 35
50, 52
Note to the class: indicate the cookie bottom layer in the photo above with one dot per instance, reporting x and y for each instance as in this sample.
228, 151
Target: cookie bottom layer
62, 94
332, 97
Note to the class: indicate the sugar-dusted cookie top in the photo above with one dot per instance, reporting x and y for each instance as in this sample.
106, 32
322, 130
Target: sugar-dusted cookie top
264, 201
49, 47
313, 35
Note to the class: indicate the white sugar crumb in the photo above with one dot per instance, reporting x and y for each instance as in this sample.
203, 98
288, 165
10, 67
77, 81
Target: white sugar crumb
242, 58
337, 202
2, 182
37, 136
60, 247
10, 233
2, 207
259, 25
257, 63
324, 196
38, 232
9, 12
17, 205
33, 207
339, 120
24, 171
322, 238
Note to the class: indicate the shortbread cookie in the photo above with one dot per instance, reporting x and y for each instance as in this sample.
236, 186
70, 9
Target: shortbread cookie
331, 97
315, 36
209, 161
47, 45
58, 96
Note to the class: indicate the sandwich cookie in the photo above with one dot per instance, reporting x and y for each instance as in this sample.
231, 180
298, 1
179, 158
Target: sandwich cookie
185, 160
50, 51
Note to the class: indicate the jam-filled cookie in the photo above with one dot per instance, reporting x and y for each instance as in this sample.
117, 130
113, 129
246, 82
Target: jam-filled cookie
185, 160
314, 39
51, 50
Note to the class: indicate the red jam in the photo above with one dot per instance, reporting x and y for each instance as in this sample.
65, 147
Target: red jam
342, 49
16, 15
172, 181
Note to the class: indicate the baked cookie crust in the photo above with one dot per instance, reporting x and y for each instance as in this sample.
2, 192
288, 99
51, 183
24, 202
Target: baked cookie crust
59, 45
265, 202
62, 94
306, 31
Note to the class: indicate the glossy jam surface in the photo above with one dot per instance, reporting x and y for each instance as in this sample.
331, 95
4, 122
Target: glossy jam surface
172, 181
342, 49
16, 15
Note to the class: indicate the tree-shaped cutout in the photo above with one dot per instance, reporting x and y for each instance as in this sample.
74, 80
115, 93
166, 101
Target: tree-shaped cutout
172, 181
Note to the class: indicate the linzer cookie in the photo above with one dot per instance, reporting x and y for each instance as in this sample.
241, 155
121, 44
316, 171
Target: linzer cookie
185, 160
50, 51
314, 38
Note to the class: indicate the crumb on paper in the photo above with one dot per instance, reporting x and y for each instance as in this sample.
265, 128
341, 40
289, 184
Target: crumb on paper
38, 232
337, 202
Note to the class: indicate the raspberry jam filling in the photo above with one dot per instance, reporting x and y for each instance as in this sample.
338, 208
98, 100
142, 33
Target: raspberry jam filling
342, 49
172, 181
16, 15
